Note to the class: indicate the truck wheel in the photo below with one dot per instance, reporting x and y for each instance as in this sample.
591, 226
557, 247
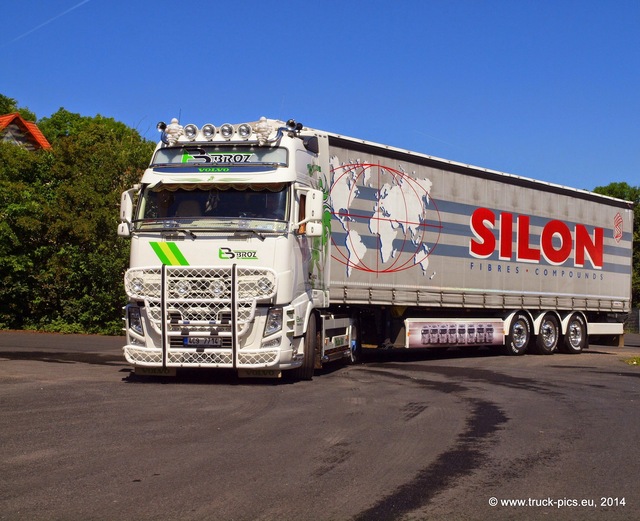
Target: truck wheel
576, 338
306, 370
547, 339
519, 335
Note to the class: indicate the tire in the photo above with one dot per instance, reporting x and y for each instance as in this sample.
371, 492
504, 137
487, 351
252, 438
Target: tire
519, 335
576, 339
549, 336
306, 370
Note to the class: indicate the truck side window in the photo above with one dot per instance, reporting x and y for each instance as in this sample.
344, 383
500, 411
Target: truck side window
301, 213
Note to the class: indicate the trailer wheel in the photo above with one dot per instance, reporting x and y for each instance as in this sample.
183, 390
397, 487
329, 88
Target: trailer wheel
306, 370
547, 339
576, 339
519, 335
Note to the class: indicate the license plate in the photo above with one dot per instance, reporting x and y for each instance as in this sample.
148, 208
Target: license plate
203, 341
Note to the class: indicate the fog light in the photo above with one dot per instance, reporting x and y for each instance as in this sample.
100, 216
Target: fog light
272, 343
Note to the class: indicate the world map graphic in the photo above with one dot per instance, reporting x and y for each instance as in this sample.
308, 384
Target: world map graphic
382, 209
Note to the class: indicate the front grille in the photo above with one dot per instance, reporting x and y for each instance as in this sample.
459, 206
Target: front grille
198, 302
198, 299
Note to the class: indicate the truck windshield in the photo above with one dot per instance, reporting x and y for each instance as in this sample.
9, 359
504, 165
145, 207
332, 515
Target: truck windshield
220, 155
214, 206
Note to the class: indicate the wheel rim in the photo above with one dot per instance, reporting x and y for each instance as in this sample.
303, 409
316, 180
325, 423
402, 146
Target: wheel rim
549, 334
520, 334
575, 333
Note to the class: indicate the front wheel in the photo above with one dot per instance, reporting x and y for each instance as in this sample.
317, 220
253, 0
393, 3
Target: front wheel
519, 335
576, 339
306, 370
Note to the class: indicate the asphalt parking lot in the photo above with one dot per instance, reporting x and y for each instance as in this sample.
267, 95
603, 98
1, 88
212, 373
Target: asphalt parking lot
406, 435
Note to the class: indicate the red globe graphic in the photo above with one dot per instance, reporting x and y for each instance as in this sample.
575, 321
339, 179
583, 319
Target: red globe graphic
413, 220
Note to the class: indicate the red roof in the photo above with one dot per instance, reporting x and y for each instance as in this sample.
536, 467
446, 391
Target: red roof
31, 130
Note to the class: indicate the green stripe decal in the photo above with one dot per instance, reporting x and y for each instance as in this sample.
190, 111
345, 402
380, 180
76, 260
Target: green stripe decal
169, 253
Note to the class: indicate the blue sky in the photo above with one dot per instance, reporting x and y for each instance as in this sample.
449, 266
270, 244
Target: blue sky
543, 89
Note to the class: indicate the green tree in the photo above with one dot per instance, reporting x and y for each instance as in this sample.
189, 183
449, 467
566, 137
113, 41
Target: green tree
21, 229
632, 194
96, 159
63, 124
61, 262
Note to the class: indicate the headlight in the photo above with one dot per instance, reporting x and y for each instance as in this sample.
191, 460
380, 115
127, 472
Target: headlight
274, 321
134, 318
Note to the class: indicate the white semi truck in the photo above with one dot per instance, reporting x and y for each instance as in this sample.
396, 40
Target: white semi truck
267, 247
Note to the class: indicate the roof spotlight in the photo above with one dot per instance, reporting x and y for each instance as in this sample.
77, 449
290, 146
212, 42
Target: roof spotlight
227, 131
244, 131
190, 131
208, 131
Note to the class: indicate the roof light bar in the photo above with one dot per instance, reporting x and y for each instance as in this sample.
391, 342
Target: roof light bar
260, 131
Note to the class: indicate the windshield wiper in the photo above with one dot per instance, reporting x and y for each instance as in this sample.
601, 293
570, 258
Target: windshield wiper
175, 229
248, 231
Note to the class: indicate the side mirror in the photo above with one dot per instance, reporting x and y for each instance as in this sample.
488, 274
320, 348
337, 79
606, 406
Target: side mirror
126, 212
311, 210
314, 205
313, 229
124, 230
